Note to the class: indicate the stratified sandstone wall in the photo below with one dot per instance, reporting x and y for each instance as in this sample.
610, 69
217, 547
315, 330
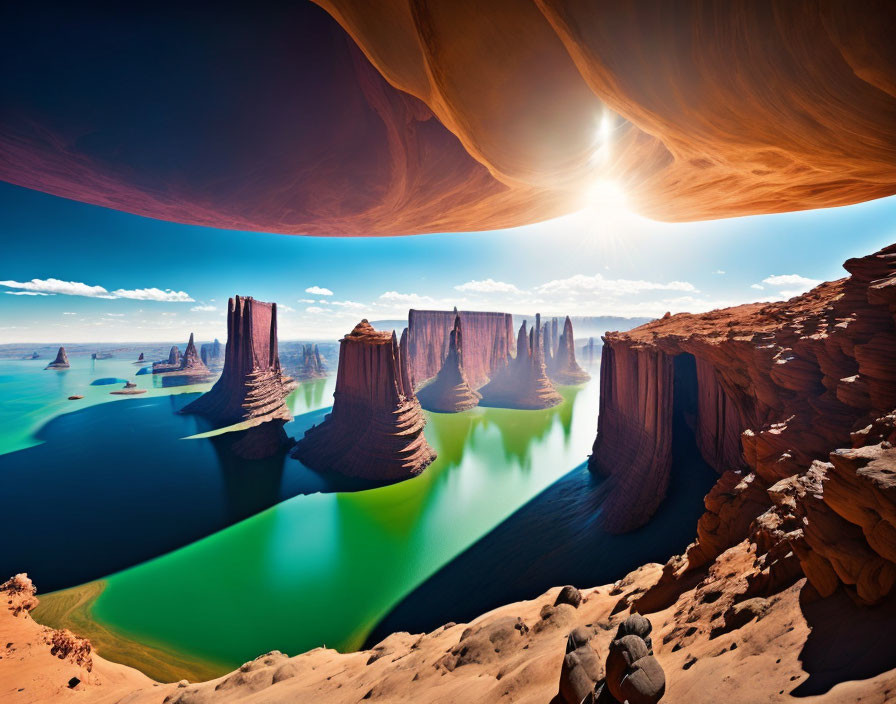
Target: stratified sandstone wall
450, 391
522, 381
795, 405
487, 342
252, 386
375, 430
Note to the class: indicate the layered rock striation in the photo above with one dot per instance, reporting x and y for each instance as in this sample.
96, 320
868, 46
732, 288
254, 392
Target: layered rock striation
487, 343
61, 361
522, 382
375, 430
794, 406
450, 392
252, 388
564, 368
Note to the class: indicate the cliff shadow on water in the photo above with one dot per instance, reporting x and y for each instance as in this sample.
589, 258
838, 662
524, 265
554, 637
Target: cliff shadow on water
120, 483
557, 538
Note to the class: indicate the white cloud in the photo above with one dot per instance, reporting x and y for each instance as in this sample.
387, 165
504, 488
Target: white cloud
153, 294
758, 287
285, 308
720, 272
77, 288
67, 313
313, 309
487, 286
411, 299
203, 309
793, 280
326, 303
318, 291
115, 315
305, 300
27, 293
612, 287
349, 304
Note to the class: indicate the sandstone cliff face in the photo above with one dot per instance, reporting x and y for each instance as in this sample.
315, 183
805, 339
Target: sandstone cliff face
450, 391
780, 387
522, 382
375, 430
564, 369
487, 342
252, 387
312, 366
61, 361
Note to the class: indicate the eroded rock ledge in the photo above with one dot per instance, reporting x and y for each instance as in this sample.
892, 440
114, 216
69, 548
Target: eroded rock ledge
794, 407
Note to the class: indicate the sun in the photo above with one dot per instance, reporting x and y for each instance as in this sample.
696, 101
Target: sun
606, 198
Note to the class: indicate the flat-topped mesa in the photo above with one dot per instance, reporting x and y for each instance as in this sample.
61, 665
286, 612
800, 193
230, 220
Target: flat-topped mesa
522, 383
212, 354
375, 430
312, 366
565, 370
172, 364
252, 386
796, 398
487, 343
61, 361
450, 391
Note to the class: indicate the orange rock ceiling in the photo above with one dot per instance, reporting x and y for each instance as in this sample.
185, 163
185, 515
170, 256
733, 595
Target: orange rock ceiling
463, 116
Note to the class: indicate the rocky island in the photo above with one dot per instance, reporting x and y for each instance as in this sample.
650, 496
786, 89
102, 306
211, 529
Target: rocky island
375, 430
61, 361
450, 391
564, 369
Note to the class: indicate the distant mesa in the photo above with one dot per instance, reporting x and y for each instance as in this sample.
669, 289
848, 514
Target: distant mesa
61, 361
375, 430
102, 355
450, 391
252, 388
141, 359
590, 353
488, 341
187, 365
522, 382
312, 366
564, 369
33, 355
212, 354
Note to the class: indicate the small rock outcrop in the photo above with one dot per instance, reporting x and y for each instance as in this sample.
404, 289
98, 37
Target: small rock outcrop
450, 391
312, 366
522, 382
172, 364
631, 673
19, 593
252, 388
375, 430
565, 370
61, 361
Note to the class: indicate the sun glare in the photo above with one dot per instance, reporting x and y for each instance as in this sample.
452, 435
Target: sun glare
606, 198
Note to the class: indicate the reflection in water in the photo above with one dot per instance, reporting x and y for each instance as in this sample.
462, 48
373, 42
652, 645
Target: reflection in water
325, 568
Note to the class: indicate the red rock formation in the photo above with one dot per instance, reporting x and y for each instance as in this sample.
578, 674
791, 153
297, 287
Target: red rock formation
565, 370
487, 340
61, 361
522, 382
450, 392
780, 387
252, 387
589, 353
172, 365
191, 361
375, 430
312, 365
445, 121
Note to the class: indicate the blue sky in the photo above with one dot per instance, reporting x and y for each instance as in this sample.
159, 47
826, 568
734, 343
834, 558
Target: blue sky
161, 280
